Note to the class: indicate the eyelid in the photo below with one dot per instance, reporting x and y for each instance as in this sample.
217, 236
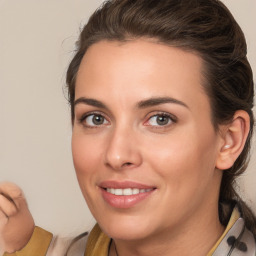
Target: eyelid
87, 114
172, 117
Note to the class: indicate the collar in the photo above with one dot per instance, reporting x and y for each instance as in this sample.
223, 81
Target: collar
236, 240
98, 243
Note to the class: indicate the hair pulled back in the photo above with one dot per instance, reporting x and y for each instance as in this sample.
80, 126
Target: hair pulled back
204, 27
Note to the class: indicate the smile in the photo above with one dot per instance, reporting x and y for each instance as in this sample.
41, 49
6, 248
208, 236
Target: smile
127, 191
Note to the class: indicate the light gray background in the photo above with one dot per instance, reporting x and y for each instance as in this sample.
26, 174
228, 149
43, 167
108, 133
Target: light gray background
36, 44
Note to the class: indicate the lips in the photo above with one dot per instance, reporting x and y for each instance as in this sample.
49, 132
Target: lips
127, 191
125, 194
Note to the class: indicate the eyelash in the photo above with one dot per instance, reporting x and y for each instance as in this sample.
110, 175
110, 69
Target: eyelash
83, 118
172, 120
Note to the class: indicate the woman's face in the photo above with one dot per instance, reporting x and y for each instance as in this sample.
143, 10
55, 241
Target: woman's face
144, 146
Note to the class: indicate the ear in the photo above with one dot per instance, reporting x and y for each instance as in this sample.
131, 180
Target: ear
234, 136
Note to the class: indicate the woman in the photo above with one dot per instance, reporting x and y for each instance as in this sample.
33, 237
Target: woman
161, 97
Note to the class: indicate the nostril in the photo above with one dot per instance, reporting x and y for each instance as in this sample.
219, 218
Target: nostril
127, 164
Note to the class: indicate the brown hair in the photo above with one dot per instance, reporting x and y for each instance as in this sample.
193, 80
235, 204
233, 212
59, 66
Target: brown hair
204, 27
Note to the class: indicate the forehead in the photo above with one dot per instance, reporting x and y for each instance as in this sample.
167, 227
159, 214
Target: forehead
140, 68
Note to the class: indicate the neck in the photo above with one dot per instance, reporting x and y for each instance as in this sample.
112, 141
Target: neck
197, 236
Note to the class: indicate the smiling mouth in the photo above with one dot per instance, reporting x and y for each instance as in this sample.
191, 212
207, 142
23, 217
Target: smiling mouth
124, 195
127, 191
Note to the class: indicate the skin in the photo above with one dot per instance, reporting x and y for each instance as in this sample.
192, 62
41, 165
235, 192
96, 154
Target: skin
178, 159
16, 222
181, 156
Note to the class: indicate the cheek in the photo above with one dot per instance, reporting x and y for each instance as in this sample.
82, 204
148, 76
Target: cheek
184, 159
86, 154
85, 157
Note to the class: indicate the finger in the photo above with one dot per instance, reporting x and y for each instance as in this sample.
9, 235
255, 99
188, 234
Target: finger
8, 207
3, 220
13, 193
11, 190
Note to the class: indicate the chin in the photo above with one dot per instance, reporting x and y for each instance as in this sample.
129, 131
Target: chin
126, 234
127, 228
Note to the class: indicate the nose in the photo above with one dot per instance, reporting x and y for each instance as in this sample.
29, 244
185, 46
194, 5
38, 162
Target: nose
123, 150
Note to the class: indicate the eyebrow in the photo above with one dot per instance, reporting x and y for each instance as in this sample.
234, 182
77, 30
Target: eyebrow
141, 104
91, 102
158, 101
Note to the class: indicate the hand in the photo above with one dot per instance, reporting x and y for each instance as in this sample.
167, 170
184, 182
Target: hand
16, 222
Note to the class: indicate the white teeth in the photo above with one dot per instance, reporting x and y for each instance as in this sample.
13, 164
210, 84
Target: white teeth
119, 192
127, 191
135, 191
